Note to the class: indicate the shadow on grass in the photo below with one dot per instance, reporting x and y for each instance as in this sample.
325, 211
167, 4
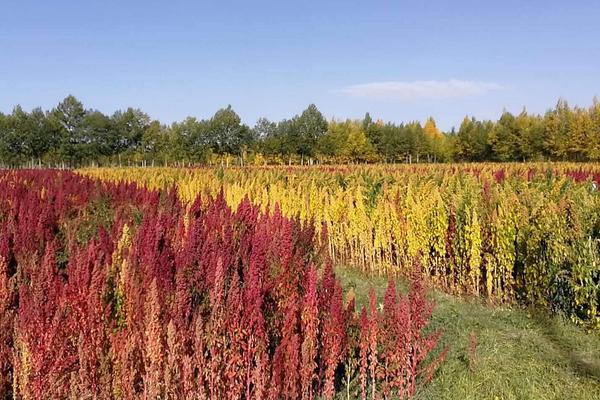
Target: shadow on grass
583, 362
521, 353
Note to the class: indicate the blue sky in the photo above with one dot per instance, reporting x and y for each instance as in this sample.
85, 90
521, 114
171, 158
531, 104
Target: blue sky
399, 60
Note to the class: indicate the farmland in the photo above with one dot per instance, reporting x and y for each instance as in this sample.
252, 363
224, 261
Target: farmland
115, 291
315, 200
382, 281
507, 232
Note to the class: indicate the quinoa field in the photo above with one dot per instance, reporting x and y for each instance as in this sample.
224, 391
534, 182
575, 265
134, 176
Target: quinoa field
426, 281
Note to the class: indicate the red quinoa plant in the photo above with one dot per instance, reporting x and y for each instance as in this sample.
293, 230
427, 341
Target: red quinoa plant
117, 291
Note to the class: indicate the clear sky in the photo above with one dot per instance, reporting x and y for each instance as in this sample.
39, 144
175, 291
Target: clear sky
399, 60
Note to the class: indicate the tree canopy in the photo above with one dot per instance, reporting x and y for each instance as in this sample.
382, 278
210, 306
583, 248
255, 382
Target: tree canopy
72, 135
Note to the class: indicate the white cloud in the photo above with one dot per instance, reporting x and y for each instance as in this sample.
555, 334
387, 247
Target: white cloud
402, 90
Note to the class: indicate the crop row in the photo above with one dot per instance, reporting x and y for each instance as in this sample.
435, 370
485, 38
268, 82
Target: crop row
509, 232
112, 290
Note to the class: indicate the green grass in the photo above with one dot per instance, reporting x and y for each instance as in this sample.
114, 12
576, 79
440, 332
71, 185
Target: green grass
520, 354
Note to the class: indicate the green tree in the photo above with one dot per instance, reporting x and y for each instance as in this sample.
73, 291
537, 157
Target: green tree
531, 136
68, 117
25, 137
580, 134
283, 140
97, 137
329, 145
346, 142
11, 143
504, 138
155, 143
3, 139
435, 141
267, 135
472, 142
70, 114
374, 132
396, 143
356, 146
130, 126
556, 133
264, 129
308, 128
190, 141
227, 133
593, 151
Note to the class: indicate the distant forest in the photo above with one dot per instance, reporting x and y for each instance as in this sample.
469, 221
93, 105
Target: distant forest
70, 135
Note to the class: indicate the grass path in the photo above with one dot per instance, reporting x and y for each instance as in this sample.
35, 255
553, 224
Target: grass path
520, 355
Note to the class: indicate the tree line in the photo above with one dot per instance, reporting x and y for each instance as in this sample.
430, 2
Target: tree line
70, 135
